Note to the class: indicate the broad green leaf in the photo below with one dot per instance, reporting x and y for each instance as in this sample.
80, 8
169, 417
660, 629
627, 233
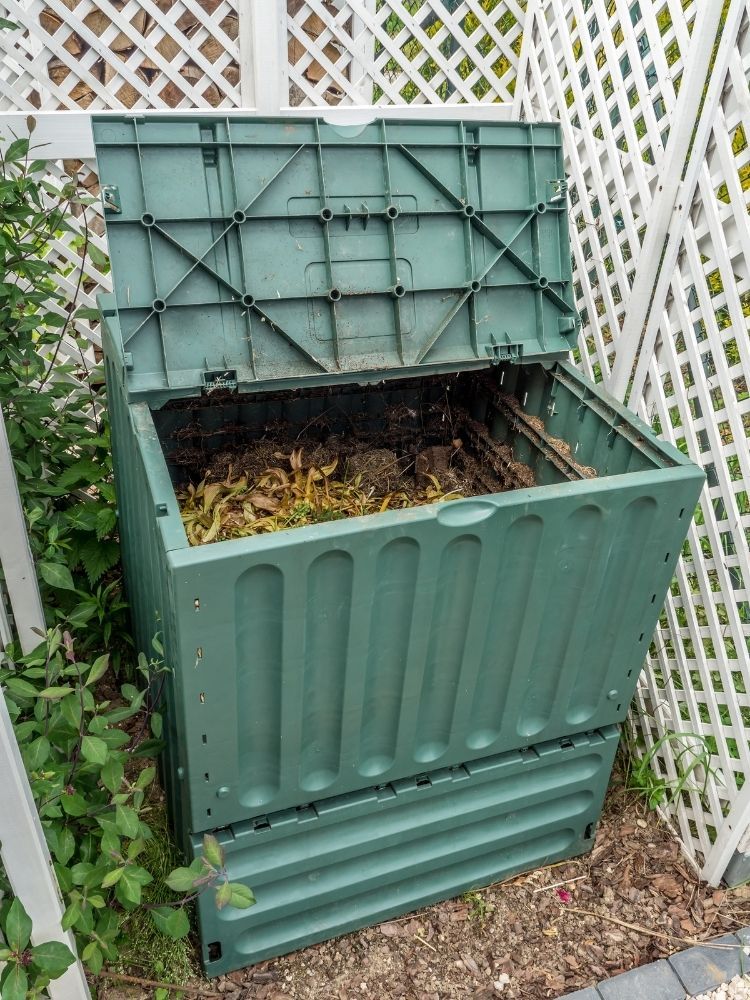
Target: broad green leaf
98, 669
52, 957
241, 897
15, 984
37, 752
70, 708
94, 749
213, 851
128, 888
92, 957
181, 880
17, 926
112, 878
21, 688
223, 895
54, 693
71, 914
157, 724
56, 575
65, 846
145, 778
112, 774
172, 922
17, 149
127, 821
74, 805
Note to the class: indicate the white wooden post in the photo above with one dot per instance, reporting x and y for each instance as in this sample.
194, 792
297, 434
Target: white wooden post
15, 554
27, 861
669, 194
264, 76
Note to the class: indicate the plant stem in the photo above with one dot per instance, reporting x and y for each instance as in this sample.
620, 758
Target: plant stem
120, 977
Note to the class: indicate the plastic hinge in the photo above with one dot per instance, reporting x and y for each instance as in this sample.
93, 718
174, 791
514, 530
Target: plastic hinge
111, 198
221, 379
503, 352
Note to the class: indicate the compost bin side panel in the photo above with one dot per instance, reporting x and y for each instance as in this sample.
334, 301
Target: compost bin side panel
147, 584
374, 855
362, 651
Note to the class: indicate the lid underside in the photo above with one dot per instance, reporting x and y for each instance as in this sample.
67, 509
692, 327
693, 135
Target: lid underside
271, 250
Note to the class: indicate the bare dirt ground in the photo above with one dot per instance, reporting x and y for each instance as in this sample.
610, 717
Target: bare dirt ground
540, 935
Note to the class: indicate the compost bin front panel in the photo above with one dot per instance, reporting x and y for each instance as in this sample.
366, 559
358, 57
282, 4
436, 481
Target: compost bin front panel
327, 658
338, 865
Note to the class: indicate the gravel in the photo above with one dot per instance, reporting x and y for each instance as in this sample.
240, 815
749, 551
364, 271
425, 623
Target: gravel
738, 989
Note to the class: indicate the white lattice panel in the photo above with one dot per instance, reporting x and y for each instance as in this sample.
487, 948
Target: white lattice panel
613, 73
119, 54
402, 51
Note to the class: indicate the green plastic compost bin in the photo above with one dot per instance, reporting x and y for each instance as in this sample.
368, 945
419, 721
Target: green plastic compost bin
293, 273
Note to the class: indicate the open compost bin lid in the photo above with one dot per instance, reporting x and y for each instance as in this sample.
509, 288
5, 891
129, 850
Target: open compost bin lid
275, 253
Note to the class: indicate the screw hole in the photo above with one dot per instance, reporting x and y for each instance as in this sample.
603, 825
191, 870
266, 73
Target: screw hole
148, 219
541, 208
158, 305
239, 216
326, 214
334, 294
469, 210
476, 286
542, 282
392, 212
248, 301
399, 291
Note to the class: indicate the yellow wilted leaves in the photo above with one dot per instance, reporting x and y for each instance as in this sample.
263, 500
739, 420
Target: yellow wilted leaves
287, 497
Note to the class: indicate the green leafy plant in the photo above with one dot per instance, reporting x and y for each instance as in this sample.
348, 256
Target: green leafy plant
89, 760
692, 759
59, 437
29, 969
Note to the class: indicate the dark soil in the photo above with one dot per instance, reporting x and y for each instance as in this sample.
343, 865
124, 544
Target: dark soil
538, 936
401, 454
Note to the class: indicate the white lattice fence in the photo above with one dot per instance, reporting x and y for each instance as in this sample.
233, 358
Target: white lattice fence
620, 78
395, 52
629, 80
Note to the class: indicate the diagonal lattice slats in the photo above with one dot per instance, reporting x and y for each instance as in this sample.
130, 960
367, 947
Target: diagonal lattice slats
612, 73
402, 51
120, 54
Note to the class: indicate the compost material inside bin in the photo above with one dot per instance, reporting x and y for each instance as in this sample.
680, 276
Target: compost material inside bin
341, 463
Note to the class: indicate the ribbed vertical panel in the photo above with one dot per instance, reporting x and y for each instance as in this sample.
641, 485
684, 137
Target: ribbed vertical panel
259, 597
519, 557
448, 631
329, 589
388, 656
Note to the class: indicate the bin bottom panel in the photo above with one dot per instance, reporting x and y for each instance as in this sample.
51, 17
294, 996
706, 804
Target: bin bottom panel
332, 867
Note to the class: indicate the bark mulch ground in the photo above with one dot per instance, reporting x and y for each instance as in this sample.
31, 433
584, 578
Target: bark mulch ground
632, 900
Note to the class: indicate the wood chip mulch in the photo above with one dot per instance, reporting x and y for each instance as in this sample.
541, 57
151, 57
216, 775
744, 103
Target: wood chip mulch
536, 936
